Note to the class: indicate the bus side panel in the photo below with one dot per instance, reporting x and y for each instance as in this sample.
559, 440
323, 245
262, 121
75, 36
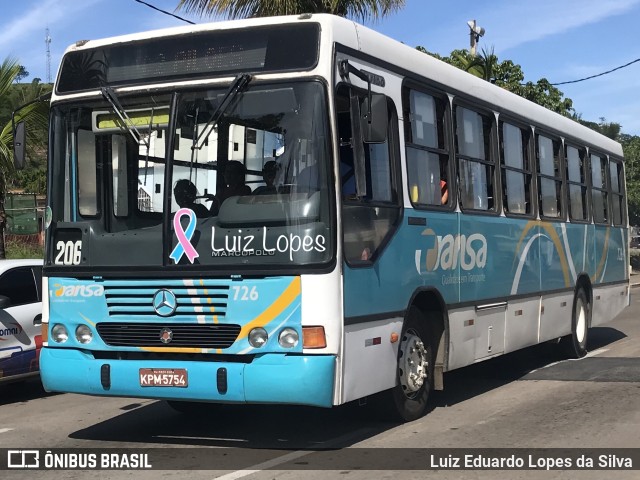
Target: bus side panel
522, 323
370, 358
608, 302
555, 321
462, 338
377, 295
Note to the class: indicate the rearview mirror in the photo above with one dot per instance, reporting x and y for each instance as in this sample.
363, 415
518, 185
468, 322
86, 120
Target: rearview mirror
19, 138
374, 119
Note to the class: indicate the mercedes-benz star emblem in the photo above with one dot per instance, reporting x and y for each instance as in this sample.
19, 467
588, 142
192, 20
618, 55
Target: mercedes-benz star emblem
166, 335
165, 303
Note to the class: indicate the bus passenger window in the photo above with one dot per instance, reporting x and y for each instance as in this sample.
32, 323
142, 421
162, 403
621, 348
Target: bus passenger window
617, 192
550, 176
516, 173
475, 163
577, 180
599, 189
427, 149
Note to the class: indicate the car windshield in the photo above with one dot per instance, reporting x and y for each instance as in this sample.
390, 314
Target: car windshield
251, 188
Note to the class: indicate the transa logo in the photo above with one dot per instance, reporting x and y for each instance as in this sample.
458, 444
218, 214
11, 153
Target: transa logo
447, 252
77, 290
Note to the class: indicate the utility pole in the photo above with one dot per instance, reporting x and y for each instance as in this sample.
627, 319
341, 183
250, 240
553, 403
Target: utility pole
475, 32
47, 42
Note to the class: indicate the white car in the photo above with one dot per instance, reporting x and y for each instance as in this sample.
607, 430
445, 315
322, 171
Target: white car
20, 318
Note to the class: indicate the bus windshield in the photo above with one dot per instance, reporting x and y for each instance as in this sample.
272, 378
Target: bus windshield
248, 189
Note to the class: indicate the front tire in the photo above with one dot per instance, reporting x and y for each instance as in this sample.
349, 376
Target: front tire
408, 400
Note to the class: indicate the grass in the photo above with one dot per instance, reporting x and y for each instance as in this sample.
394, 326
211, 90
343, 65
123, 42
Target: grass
20, 249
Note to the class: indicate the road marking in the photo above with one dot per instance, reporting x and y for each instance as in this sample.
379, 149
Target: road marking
265, 465
5, 430
289, 457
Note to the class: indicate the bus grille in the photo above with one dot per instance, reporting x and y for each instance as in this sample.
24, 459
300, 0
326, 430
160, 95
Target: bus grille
196, 299
133, 334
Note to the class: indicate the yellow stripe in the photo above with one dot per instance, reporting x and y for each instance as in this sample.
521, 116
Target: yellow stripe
87, 320
555, 238
603, 257
282, 302
171, 350
557, 243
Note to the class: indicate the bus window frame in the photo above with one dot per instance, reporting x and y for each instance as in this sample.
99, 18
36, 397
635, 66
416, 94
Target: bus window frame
606, 188
584, 154
449, 142
395, 171
624, 221
529, 149
493, 152
562, 216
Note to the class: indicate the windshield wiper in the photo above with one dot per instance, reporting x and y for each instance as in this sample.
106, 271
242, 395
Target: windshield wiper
125, 121
239, 84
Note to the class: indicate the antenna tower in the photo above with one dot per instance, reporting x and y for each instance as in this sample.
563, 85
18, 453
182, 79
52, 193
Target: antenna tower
47, 42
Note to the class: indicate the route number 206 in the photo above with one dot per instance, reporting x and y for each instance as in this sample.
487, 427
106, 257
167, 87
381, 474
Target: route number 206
68, 253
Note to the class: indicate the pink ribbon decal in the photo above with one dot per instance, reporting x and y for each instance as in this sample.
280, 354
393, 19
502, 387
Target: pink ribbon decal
184, 246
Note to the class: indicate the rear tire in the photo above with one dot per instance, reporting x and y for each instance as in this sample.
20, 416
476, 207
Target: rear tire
575, 344
408, 400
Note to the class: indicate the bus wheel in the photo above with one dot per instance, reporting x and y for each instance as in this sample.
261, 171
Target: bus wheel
407, 401
575, 344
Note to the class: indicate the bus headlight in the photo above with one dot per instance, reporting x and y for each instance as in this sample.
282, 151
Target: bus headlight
288, 338
258, 337
84, 334
59, 333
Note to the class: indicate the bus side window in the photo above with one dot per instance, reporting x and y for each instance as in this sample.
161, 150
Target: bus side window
599, 192
476, 167
516, 171
427, 149
366, 221
617, 192
577, 183
549, 177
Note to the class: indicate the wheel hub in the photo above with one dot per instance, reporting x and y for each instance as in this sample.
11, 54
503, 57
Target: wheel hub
413, 365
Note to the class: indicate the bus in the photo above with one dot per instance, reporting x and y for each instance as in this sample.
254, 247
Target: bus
414, 219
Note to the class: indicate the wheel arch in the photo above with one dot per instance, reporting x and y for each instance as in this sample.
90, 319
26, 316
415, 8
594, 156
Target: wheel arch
583, 281
429, 301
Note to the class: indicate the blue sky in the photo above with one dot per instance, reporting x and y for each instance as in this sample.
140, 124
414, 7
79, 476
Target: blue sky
557, 39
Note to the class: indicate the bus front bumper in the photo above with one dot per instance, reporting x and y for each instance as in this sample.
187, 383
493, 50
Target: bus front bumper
269, 378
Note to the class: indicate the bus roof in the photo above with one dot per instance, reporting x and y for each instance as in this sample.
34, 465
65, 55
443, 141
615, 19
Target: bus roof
399, 57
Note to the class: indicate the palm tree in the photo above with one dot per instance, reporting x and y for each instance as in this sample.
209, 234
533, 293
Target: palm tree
9, 72
358, 9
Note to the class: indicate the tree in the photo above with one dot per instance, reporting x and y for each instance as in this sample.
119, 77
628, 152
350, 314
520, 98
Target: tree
22, 74
359, 9
35, 120
631, 148
508, 75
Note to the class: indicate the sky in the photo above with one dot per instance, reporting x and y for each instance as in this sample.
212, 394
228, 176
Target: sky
559, 40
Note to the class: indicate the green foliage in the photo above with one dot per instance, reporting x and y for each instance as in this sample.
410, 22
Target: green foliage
35, 118
508, 75
359, 9
16, 248
631, 147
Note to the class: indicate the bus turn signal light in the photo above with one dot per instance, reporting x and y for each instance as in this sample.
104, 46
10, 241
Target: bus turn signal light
313, 337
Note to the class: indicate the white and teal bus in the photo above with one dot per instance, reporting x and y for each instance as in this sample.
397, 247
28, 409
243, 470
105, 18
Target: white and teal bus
359, 219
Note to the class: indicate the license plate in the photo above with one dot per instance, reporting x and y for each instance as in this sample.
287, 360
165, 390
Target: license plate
163, 377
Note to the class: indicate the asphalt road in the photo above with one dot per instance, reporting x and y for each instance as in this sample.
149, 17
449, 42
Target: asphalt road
530, 399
